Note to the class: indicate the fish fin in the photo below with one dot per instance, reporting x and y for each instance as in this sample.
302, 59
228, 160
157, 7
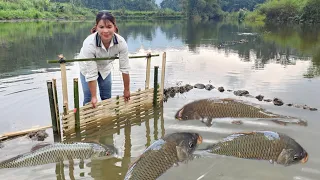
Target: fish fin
39, 146
182, 154
246, 133
209, 122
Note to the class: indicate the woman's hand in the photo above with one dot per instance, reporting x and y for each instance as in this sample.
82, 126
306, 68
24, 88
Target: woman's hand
126, 95
94, 101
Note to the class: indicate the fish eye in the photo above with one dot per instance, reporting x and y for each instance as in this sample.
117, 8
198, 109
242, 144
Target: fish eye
191, 145
295, 157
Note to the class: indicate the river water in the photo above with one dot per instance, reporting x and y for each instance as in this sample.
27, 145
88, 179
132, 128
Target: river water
275, 61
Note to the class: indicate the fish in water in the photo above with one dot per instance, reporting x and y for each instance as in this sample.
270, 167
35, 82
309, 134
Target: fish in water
45, 153
261, 145
220, 108
163, 154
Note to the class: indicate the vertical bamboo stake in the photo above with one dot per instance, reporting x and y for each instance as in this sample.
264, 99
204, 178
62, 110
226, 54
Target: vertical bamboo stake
52, 108
64, 82
148, 133
76, 106
148, 71
56, 104
118, 114
163, 131
163, 71
155, 86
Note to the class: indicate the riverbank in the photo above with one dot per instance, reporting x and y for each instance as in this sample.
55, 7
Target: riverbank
33, 11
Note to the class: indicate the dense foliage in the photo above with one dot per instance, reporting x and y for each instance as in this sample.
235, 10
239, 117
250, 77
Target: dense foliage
288, 11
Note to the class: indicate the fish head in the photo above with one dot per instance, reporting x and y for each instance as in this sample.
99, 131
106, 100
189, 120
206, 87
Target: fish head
103, 150
185, 113
293, 154
186, 143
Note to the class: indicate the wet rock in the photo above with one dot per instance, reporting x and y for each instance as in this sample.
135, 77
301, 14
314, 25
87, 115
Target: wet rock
290, 104
209, 87
260, 97
199, 86
237, 122
267, 100
176, 89
277, 102
241, 92
313, 109
38, 135
305, 107
188, 87
221, 89
172, 94
297, 106
182, 89
229, 90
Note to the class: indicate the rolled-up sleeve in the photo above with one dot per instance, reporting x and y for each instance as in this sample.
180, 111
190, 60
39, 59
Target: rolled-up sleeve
88, 68
124, 65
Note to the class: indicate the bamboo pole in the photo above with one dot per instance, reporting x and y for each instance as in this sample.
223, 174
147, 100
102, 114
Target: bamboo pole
148, 72
56, 105
163, 130
117, 111
23, 132
99, 59
163, 71
155, 86
62, 62
52, 108
76, 106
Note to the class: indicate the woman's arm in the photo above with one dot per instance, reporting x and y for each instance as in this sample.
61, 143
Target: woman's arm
126, 84
124, 67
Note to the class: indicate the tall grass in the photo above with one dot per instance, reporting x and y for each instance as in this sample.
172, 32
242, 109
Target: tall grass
39, 9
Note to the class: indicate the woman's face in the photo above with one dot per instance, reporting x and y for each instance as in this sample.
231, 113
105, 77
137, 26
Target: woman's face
106, 30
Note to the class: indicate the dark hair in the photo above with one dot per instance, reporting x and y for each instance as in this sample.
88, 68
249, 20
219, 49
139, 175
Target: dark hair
104, 15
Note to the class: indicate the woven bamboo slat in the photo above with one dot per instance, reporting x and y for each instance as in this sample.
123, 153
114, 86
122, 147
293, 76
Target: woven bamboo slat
112, 109
145, 113
113, 105
100, 118
112, 128
107, 110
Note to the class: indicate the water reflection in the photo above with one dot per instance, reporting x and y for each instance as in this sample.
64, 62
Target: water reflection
32, 43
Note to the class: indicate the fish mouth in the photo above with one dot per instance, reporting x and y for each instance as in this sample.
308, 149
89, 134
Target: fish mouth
199, 140
179, 114
305, 159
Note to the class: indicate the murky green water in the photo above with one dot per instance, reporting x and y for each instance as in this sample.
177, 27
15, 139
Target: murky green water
275, 61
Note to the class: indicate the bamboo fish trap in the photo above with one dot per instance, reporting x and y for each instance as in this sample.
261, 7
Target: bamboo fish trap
110, 112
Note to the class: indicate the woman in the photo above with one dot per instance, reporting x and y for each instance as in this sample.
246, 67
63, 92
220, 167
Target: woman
104, 41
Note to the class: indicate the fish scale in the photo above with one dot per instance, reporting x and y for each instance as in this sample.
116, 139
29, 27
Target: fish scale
53, 153
145, 168
220, 108
254, 145
162, 155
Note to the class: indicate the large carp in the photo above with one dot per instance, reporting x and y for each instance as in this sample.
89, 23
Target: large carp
163, 154
221, 108
262, 145
45, 153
